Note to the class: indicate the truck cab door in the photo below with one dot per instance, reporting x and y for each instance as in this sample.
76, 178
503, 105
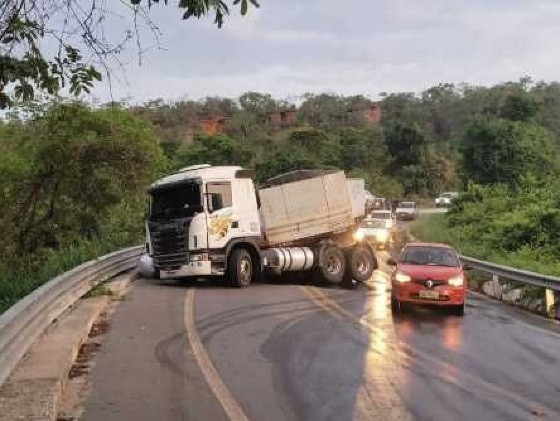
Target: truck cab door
220, 213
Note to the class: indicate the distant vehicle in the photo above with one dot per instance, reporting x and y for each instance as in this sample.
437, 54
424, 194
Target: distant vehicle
445, 199
374, 231
386, 216
378, 203
428, 273
407, 211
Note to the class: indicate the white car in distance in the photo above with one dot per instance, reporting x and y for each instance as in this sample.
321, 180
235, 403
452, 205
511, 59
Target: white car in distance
445, 199
374, 232
385, 216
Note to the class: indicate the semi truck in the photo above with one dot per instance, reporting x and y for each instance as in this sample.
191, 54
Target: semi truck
210, 221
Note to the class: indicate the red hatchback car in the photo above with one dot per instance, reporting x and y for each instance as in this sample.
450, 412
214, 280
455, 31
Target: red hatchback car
428, 273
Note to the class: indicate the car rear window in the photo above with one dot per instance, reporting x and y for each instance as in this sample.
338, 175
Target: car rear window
429, 256
381, 215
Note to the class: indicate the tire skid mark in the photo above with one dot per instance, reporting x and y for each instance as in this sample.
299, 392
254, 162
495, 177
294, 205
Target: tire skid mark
378, 397
406, 356
218, 387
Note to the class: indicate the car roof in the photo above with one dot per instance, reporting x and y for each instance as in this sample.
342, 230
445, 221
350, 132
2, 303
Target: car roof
421, 244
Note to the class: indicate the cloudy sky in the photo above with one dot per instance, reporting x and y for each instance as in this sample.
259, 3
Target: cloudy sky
289, 47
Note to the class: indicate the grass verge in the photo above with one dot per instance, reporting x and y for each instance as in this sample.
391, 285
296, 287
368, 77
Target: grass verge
434, 228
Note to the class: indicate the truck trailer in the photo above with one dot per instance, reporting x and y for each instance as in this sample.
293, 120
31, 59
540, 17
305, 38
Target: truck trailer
210, 221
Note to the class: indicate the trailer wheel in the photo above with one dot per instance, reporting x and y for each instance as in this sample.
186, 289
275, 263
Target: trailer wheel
240, 268
360, 263
332, 265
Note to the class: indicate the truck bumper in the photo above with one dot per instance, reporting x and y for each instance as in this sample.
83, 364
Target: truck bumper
192, 270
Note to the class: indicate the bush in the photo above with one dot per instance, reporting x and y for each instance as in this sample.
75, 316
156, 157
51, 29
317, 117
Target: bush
519, 228
72, 187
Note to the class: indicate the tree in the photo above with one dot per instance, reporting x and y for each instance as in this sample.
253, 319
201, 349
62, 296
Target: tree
257, 103
502, 151
214, 150
519, 107
325, 110
362, 148
62, 174
78, 28
406, 144
282, 161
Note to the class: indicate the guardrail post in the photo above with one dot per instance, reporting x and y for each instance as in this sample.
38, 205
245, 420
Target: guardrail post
549, 305
496, 287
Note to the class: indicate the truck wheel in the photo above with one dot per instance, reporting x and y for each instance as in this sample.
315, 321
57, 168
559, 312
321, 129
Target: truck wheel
359, 263
240, 268
332, 265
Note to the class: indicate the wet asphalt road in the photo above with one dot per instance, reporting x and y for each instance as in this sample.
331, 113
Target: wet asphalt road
305, 352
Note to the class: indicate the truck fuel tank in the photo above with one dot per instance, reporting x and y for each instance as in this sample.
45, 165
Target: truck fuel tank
288, 259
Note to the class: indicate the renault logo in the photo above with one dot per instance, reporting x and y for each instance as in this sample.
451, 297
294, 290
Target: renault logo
429, 284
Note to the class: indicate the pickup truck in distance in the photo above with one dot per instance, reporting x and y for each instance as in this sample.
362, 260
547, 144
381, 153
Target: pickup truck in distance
407, 211
445, 199
209, 221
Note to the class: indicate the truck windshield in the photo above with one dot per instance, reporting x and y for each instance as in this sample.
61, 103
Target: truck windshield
180, 201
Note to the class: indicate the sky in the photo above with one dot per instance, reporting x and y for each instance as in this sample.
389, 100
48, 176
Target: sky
289, 47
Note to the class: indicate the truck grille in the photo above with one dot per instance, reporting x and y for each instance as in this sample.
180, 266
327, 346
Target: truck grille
170, 243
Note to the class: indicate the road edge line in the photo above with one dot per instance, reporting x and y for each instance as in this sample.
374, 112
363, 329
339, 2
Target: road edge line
231, 407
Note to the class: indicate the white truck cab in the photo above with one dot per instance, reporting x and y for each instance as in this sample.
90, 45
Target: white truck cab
196, 215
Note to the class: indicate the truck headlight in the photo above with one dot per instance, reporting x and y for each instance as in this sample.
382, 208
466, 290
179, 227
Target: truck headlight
359, 235
456, 281
402, 277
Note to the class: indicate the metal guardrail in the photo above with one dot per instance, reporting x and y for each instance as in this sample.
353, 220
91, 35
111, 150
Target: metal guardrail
524, 276
23, 323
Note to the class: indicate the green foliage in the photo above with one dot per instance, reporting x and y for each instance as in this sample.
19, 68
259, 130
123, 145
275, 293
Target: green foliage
406, 144
215, 150
436, 228
502, 151
72, 185
520, 229
519, 107
282, 161
77, 28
